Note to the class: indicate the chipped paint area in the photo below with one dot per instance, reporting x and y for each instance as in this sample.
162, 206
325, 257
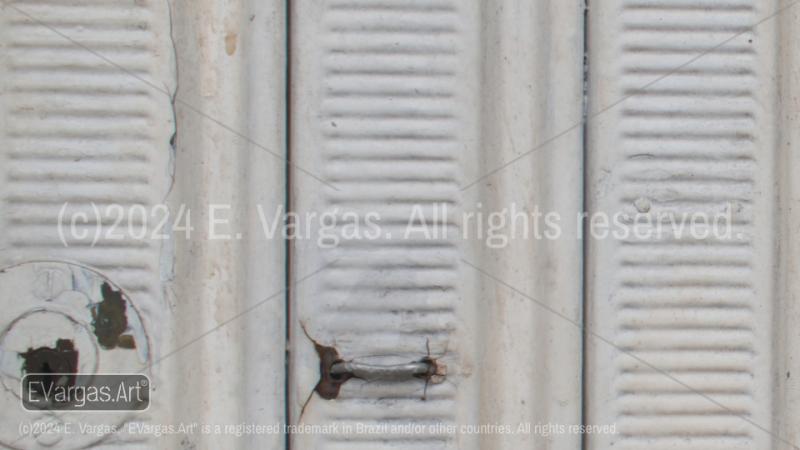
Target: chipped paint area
110, 320
87, 120
65, 318
86, 92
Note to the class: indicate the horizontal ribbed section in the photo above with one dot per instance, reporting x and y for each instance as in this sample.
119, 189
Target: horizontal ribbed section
391, 118
691, 307
88, 119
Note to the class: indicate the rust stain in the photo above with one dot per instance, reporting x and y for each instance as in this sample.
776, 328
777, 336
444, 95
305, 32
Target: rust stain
230, 43
110, 320
44, 363
329, 383
63, 358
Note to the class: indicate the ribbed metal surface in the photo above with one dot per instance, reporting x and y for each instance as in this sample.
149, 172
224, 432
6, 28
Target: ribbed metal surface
696, 309
85, 127
392, 117
87, 121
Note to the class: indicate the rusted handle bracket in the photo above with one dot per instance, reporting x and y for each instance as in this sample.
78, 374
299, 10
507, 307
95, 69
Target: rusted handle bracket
335, 371
373, 372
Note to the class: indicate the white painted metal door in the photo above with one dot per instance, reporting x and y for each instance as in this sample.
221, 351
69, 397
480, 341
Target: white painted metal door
399, 223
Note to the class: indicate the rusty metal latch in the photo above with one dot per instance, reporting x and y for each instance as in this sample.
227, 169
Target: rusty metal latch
335, 371
374, 372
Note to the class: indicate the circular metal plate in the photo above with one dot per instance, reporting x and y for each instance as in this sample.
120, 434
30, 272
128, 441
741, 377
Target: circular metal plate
56, 318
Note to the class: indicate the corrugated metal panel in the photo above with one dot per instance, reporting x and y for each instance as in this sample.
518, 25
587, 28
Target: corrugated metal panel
82, 127
387, 107
397, 108
384, 104
86, 123
689, 318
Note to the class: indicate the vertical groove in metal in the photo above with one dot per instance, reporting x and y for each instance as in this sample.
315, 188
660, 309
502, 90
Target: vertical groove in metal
585, 300
287, 298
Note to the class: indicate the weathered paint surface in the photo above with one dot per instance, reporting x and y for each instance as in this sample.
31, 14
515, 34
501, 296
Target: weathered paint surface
449, 105
385, 107
689, 320
86, 98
